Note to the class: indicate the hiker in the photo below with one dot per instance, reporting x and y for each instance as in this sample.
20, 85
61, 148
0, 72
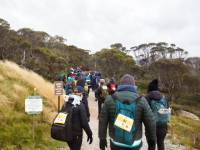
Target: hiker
157, 101
94, 84
84, 95
88, 81
124, 112
79, 120
67, 88
100, 94
83, 83
112, 86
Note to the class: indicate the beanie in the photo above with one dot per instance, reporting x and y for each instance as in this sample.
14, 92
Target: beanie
79, 89
102, 81
153, 85
127, 79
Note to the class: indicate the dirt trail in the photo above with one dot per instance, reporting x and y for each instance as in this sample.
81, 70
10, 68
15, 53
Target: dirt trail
94, 127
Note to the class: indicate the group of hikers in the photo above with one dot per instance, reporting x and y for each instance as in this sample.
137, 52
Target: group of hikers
120, 110
88, 79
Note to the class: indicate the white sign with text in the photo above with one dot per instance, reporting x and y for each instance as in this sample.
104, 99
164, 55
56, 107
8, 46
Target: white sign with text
33, 105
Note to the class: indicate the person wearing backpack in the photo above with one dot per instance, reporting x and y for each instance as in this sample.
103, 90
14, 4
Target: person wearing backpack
80, 88
79, 121
112, 86
124, 112
100, 94
157, 103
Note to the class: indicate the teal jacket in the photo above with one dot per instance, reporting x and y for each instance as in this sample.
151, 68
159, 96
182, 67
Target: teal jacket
143, 115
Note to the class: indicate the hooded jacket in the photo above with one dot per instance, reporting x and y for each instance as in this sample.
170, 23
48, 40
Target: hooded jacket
143, 115
154, 95
79, 119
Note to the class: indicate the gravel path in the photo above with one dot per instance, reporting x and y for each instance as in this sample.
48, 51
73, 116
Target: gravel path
94, 127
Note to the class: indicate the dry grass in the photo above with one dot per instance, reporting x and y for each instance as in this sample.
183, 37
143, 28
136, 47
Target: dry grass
4, 100
15, 85
1, 78
43, 87
185, 131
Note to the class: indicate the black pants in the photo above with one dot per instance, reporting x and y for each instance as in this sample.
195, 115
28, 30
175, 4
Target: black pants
76, 143
113, 147
161, 131
100, 103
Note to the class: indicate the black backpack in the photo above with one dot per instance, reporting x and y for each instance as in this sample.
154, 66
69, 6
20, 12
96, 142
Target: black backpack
61, 128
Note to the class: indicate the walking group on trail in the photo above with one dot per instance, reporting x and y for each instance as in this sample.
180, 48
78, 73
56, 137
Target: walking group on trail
120, 110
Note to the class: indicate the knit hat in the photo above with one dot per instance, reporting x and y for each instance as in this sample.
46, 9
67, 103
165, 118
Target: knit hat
79, 89
153, 85
102, 81
127, 79
80, 82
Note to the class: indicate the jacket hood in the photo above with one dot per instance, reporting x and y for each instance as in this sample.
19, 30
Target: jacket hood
155, 95
130, 88
126, 93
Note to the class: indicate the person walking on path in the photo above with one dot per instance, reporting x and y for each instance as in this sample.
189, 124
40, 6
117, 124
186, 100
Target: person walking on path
80, 88
100, 94
112, 86
157, 101
79, 120
124, 112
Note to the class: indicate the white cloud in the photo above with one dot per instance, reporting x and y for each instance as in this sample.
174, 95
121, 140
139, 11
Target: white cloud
95, 24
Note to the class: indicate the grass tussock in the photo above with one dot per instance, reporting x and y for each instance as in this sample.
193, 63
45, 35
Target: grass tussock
12, 70
15, 125
185, 131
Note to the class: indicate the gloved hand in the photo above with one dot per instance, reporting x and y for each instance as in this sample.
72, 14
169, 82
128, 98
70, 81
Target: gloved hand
90, 139
103, 144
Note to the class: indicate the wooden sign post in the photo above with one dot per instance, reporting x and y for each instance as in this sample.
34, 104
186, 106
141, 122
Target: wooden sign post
58, 86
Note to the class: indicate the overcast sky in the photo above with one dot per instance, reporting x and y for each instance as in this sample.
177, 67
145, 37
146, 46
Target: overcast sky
95, 24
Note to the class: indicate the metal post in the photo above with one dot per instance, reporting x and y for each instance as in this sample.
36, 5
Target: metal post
58, 103
33, 131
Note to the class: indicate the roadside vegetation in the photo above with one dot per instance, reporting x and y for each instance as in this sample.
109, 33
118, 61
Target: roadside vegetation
15, 124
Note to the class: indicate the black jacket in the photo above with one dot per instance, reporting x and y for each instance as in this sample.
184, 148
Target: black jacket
98, 93
85, 102
79, 120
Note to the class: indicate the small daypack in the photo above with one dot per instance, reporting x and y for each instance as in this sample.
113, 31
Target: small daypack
124, 128
61, 128
86, 88
104, 91
160, 110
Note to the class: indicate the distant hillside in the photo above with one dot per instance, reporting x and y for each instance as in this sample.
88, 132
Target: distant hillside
15, 125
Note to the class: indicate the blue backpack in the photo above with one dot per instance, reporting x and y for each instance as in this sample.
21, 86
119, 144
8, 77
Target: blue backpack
124, 128
160, 110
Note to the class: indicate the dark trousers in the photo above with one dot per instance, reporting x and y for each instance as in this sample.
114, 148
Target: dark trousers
76, 143
114, 147
161, 131
100, 103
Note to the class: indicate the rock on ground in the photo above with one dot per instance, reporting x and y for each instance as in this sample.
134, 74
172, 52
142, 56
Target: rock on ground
188, 115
